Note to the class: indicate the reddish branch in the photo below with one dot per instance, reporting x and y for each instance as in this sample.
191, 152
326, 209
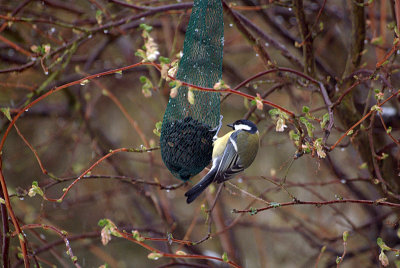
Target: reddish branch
16, 47
362, 119
14, 220
44, 171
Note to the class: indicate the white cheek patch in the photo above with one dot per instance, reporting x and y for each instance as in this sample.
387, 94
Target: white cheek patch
234, 144
242, 126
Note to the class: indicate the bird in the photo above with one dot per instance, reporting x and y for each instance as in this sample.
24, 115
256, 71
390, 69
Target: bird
232, 153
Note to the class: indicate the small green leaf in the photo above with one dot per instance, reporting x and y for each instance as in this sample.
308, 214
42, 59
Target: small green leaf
99, 17
350, 132
102, 222
21, 237
377, 41
345, 236
146, 27
391, 25
253, 211
137, 236
294, 136
6, 112
157, 130
140, 53
382, 244
385, 62
203, 208
338, 259
143, 79
35, 189
275, 204
319, 148
310, 128
325, 120
303, 120
225, 257
272, 112
363, 166
164, 60
147, 86
306, 109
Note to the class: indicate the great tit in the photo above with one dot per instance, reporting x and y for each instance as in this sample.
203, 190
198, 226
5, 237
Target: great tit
232, 153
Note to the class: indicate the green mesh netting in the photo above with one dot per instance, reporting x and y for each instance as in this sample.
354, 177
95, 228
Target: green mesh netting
188, 129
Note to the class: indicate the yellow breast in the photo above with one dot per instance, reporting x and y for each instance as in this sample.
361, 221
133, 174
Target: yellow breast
220, 144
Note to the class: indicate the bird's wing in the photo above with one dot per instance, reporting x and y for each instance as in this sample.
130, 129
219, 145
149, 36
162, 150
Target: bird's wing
229, 164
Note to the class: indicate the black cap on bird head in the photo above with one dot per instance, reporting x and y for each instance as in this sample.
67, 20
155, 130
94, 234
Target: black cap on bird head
245, 125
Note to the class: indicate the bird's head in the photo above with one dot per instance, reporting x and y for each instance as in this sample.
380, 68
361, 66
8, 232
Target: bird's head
245, 125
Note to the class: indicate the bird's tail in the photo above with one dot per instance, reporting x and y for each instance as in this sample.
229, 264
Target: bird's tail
196, 190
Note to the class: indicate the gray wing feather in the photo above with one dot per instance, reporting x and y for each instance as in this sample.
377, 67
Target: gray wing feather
230, 162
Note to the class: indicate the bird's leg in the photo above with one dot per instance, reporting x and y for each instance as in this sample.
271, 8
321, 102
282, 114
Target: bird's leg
216, 129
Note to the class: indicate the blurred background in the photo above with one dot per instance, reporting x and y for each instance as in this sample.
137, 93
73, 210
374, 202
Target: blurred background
348, 46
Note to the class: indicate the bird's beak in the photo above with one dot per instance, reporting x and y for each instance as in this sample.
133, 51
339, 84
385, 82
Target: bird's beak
230, 125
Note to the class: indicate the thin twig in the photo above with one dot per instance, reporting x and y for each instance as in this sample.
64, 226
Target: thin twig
320, 203
308, 53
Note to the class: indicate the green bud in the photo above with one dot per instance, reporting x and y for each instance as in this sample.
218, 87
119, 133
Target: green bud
225, 257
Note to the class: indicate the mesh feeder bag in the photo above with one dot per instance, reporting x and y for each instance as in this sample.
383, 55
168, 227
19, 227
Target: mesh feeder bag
188, 129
